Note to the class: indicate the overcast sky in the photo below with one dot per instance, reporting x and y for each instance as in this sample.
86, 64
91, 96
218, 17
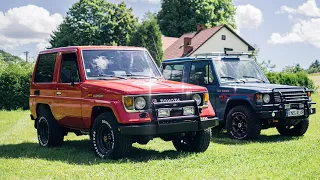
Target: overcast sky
286, 31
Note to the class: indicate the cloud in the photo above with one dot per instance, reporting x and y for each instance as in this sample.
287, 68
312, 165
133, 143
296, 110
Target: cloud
308, 8
306, 31
248, 16
27, 24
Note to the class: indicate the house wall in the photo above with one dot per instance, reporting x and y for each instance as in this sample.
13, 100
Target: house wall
216, 44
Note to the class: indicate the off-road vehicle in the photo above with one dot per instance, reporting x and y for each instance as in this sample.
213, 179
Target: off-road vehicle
244, 100
118, 96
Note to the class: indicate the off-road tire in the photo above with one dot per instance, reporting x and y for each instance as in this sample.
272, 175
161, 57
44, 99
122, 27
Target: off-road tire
297, 130
250, 125
50, 133
112, 145
193, 143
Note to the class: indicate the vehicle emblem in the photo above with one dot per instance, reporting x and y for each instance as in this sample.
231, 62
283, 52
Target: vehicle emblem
154, 100
170, 100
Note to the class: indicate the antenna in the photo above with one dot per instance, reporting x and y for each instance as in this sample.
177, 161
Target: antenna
154, 43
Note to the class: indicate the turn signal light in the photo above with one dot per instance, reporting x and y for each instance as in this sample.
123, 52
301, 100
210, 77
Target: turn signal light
128, 102
309, 93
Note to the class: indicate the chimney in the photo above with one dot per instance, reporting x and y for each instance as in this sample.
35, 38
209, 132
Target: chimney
200, 27
187, 47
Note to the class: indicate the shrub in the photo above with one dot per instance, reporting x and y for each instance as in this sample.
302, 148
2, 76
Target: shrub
296, 79
14, 85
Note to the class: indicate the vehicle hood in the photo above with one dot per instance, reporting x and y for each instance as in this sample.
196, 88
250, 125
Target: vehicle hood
260, 86
144, 86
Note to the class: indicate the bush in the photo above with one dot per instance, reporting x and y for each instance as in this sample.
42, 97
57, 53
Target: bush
15, 84
293, 79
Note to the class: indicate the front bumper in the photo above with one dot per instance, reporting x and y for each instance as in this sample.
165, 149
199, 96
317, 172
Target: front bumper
281, 114
169, 128
169, 125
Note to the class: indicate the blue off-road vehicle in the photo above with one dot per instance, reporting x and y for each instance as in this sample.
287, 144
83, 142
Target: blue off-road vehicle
242, 96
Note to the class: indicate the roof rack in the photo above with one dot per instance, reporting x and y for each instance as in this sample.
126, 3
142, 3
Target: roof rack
226, 53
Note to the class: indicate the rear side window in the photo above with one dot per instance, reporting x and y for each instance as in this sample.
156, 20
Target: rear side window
201, 73
173, 72
45, 67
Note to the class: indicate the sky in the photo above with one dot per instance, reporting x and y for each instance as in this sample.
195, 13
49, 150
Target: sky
287, 32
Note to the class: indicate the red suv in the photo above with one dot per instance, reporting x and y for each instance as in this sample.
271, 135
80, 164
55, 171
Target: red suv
118, 96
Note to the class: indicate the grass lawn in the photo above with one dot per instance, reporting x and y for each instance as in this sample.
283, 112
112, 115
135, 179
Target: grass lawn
271, 157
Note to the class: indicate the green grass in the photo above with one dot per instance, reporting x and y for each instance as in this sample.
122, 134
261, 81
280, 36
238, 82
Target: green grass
271, 157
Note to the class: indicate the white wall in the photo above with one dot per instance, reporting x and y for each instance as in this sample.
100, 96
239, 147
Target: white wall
216, 44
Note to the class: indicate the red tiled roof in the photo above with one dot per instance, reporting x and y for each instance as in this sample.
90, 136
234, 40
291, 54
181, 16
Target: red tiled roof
167, 41
198, 39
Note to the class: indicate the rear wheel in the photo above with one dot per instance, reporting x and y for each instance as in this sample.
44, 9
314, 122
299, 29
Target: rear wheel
193, 142
297, 130
107, 141
242, 123
50, 133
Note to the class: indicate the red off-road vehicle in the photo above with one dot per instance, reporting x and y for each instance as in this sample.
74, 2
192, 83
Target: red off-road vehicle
118, 96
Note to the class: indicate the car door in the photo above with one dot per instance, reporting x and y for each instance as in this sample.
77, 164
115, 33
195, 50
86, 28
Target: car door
68, 91
201, 73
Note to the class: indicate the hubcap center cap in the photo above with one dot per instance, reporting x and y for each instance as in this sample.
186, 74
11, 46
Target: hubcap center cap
105, 138
239, 125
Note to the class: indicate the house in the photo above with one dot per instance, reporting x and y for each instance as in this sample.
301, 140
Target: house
216, 39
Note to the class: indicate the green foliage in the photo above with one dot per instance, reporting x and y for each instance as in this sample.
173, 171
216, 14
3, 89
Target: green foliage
15, 80
5, 56
293, 69
148, 35
95, 22
296, 79
314, 67
177, 17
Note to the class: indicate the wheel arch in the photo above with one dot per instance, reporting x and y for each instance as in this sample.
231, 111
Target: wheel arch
233, 102
38, 107
97, 110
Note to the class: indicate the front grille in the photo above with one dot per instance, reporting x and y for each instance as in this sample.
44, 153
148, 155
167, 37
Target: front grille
290, 96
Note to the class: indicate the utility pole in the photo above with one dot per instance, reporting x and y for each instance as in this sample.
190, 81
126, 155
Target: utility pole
26, 53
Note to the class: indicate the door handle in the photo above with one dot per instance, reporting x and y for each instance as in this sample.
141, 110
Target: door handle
59, 93
36, 92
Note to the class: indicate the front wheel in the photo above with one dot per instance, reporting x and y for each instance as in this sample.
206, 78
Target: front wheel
296, 130
107, 141
193, 142
242, 123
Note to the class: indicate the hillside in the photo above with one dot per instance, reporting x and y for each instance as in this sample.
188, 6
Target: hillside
5, 56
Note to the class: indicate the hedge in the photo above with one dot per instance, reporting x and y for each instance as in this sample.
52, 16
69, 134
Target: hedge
14, 85
296, 79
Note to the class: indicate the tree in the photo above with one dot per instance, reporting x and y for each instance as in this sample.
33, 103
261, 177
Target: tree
266, 65
95, 22
293, 69
314, 67
177, 17
148, 35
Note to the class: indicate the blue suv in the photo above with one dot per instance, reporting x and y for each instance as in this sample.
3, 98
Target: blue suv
242, 96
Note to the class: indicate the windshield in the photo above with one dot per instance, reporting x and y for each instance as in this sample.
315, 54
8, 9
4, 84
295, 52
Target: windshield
239, 71
119, 63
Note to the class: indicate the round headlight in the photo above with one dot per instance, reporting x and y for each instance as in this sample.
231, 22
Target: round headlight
139, 103
197, 97
266, 98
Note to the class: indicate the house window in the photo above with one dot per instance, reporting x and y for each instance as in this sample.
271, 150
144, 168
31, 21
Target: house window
223, 37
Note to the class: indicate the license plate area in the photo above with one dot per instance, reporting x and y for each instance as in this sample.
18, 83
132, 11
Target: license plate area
295, 112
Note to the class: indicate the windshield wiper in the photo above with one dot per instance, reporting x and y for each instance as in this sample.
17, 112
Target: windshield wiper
230, 77
107, 76
260, 80
138, 75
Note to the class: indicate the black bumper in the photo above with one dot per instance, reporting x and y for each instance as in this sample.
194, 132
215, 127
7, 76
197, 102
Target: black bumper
281, 114
169, 128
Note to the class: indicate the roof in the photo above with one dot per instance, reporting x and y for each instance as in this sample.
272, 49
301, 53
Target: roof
75, 48
198, 39
167, 41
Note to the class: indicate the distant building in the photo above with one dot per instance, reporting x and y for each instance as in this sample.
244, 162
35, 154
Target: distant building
216, 39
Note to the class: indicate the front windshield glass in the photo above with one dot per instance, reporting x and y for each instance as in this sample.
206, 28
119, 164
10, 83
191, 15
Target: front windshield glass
119, 63
239, 71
